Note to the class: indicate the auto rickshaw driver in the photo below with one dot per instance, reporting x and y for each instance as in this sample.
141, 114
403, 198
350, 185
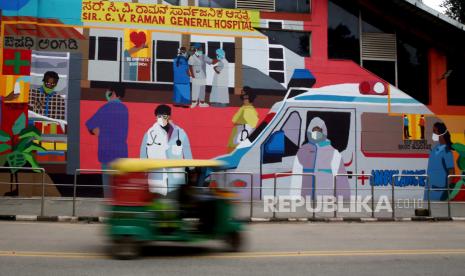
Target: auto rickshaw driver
196, 202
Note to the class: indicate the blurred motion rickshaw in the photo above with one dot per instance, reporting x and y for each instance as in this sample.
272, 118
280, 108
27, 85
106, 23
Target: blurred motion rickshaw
193, 212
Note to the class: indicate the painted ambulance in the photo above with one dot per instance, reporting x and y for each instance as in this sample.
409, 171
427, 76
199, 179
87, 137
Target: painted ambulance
375, 128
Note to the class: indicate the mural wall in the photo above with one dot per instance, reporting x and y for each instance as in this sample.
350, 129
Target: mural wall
86, 82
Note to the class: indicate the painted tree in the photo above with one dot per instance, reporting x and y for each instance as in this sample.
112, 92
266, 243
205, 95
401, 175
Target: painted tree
455, 9
17, 148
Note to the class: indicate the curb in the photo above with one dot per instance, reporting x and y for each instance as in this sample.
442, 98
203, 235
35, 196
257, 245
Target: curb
87, 219
51, 218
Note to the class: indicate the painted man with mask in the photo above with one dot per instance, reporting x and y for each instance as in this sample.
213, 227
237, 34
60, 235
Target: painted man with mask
45, 100
198, 72
319, 157
440, 163
110, 124
182, 84
165, 140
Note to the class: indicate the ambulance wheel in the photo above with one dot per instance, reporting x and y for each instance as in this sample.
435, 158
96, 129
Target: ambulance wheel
234, 241
125, 248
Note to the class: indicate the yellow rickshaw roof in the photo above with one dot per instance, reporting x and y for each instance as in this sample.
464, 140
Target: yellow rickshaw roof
144, 165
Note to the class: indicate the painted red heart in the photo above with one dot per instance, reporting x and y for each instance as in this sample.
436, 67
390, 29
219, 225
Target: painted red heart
138, 39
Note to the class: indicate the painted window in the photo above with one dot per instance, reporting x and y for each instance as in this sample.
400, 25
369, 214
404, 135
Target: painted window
413, 57
371, 24
343, 31
108, 48
92, 48
165, 52
230, 4
228, 47
383, 69
296, 6
173, 2
456, 69
297, 42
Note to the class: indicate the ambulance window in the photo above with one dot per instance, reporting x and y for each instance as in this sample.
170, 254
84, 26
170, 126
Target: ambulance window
382, 134
291, 129
337, 125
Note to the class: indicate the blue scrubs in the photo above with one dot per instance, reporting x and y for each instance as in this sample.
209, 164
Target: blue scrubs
182, 85
440, 161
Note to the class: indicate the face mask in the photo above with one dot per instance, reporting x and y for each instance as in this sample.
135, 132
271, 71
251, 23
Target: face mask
162, 122
108, 95
198, 53
435, 136
316, 135
184, 54
47, 90
219, 57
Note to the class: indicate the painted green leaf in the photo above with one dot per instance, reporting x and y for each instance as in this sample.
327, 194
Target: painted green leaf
30, 159
4, 147
460, 148
16, 159
34, 147
23, 144
4, 137
30, 132
19, 124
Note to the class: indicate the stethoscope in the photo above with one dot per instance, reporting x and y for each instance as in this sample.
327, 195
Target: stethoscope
178, 141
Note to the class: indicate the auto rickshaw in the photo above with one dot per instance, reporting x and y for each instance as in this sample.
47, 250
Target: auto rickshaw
195, 212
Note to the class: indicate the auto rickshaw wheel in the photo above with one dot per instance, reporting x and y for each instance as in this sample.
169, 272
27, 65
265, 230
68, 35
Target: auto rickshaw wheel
125, 248
234, 241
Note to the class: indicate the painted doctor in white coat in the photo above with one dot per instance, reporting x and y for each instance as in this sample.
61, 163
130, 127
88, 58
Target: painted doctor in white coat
165, 140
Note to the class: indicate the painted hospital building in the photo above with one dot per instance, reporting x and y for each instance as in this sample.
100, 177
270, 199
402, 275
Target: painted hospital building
332, 87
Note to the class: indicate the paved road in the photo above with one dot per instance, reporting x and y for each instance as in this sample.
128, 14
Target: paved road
410, 248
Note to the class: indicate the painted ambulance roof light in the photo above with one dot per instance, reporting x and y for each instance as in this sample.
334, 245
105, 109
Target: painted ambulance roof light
373, 88
302, 78
379, 88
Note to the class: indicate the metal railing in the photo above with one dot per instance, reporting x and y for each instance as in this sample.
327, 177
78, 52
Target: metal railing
250, 174
462, 176
248, 177
427, 187
80, 171
356, 189
313, 189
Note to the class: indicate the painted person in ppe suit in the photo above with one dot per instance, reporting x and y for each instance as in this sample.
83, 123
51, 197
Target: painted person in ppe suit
165, 140
318, 156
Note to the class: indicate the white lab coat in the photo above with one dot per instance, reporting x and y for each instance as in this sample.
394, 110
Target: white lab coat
157, 144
